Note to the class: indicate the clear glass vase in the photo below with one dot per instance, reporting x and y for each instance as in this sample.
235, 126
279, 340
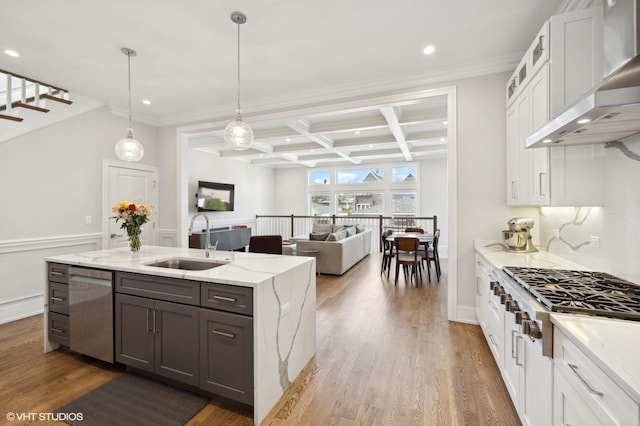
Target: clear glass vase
135, 243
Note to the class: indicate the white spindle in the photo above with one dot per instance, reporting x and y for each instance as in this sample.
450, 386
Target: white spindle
9, 93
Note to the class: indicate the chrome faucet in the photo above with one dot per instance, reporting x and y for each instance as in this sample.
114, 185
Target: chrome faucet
207, 244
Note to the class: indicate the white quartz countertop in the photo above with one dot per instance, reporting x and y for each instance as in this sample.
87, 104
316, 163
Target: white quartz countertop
243, 269
610, 343
497, 255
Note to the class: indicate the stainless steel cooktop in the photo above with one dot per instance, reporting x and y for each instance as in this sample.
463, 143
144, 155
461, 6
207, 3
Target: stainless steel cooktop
594, 293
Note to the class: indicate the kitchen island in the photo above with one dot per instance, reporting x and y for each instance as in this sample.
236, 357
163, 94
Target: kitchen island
273, 295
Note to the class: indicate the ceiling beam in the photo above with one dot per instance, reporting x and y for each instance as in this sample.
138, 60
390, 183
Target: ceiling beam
394, 126
302, 127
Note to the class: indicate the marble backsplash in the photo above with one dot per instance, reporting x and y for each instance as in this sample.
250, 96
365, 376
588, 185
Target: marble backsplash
569, 231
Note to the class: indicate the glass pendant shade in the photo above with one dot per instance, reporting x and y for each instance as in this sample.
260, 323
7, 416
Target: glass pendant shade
238, 134
129, 149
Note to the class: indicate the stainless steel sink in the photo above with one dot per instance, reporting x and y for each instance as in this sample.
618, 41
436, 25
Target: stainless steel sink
186, 264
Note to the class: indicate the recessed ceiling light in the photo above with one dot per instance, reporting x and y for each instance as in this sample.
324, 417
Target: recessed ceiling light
12, 53
445, 122
357, 132
146, 102
370, 145
429, 50
546, 141
441, 139
288, 139
583, 121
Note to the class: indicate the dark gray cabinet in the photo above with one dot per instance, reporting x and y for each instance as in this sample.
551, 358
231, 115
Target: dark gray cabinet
226, 239
226, 354
191, 332
158, 337
58, 301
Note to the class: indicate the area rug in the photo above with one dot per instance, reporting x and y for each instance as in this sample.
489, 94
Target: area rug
130, 399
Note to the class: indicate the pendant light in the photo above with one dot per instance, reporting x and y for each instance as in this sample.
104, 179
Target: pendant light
238, 134
129, 149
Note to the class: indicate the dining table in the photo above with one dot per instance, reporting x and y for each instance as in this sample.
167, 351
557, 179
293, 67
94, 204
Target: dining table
425, 239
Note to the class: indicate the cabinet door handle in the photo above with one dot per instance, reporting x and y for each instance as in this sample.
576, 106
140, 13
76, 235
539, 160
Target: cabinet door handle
148, 329
542, 186
492, 305
514, 349
574, 368
57, 274
225, 334
518, 337
155, 322
57, 299
56, 330
226, 299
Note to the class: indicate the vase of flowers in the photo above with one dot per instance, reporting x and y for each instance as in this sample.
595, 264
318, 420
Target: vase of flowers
133, 216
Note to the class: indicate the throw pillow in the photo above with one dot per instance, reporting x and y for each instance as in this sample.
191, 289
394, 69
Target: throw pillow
351, 231
337, 236
318, 236
322, 227
337, 228
359, 228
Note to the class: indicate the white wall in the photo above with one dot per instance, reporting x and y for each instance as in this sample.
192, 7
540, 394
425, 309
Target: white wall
254, 187
617, 224
482, 209
50, 180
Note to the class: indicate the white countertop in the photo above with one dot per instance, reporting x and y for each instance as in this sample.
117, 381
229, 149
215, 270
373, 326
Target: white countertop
497, 255
612, 344
244, 269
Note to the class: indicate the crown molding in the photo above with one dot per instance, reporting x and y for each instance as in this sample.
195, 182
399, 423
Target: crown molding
325, 96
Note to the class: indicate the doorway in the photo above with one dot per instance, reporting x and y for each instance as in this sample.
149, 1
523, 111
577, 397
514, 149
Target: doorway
132, 182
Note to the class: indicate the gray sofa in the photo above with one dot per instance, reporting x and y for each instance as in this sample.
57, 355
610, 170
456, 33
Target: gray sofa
336, 257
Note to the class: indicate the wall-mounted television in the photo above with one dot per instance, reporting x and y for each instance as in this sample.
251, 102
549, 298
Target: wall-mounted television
215, 197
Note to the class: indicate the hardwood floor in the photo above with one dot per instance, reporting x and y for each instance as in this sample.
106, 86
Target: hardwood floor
386, 355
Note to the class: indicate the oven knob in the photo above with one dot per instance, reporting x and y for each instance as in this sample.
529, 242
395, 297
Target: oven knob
498, 290
521, 317
512, 306
504, 298
493, 284
532, 329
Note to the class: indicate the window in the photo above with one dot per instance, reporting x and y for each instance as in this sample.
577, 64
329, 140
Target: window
354, 176
319, 178
404, 203
359, 203
320, 204
403, 174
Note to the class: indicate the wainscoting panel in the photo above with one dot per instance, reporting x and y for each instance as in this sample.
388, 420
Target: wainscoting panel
167, 238
23, 267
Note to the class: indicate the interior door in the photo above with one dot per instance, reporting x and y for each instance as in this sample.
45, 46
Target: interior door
137, 184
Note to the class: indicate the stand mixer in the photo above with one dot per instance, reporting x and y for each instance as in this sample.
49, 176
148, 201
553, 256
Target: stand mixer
518, 237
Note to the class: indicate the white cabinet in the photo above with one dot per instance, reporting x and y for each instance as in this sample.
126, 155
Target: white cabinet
527, 374
562, 64
584, 393
482, 289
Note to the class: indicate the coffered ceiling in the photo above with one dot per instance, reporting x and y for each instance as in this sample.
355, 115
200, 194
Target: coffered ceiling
292, 53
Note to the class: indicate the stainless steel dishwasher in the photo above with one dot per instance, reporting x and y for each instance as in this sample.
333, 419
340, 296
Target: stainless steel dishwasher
91, 312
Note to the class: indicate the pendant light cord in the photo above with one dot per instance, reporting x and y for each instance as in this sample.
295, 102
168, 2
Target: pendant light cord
129, 73
238, 111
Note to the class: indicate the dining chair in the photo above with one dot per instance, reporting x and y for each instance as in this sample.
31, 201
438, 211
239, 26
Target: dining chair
417, 230
406, 253
433, 256
387, 252
270, 244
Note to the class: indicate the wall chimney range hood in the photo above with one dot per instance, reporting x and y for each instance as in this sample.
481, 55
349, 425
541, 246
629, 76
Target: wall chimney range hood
611, 110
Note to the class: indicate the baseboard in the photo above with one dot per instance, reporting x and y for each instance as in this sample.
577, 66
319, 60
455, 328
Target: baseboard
21, 308
466, 314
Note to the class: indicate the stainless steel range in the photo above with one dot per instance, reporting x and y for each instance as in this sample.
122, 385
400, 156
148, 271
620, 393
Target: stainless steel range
533, 293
